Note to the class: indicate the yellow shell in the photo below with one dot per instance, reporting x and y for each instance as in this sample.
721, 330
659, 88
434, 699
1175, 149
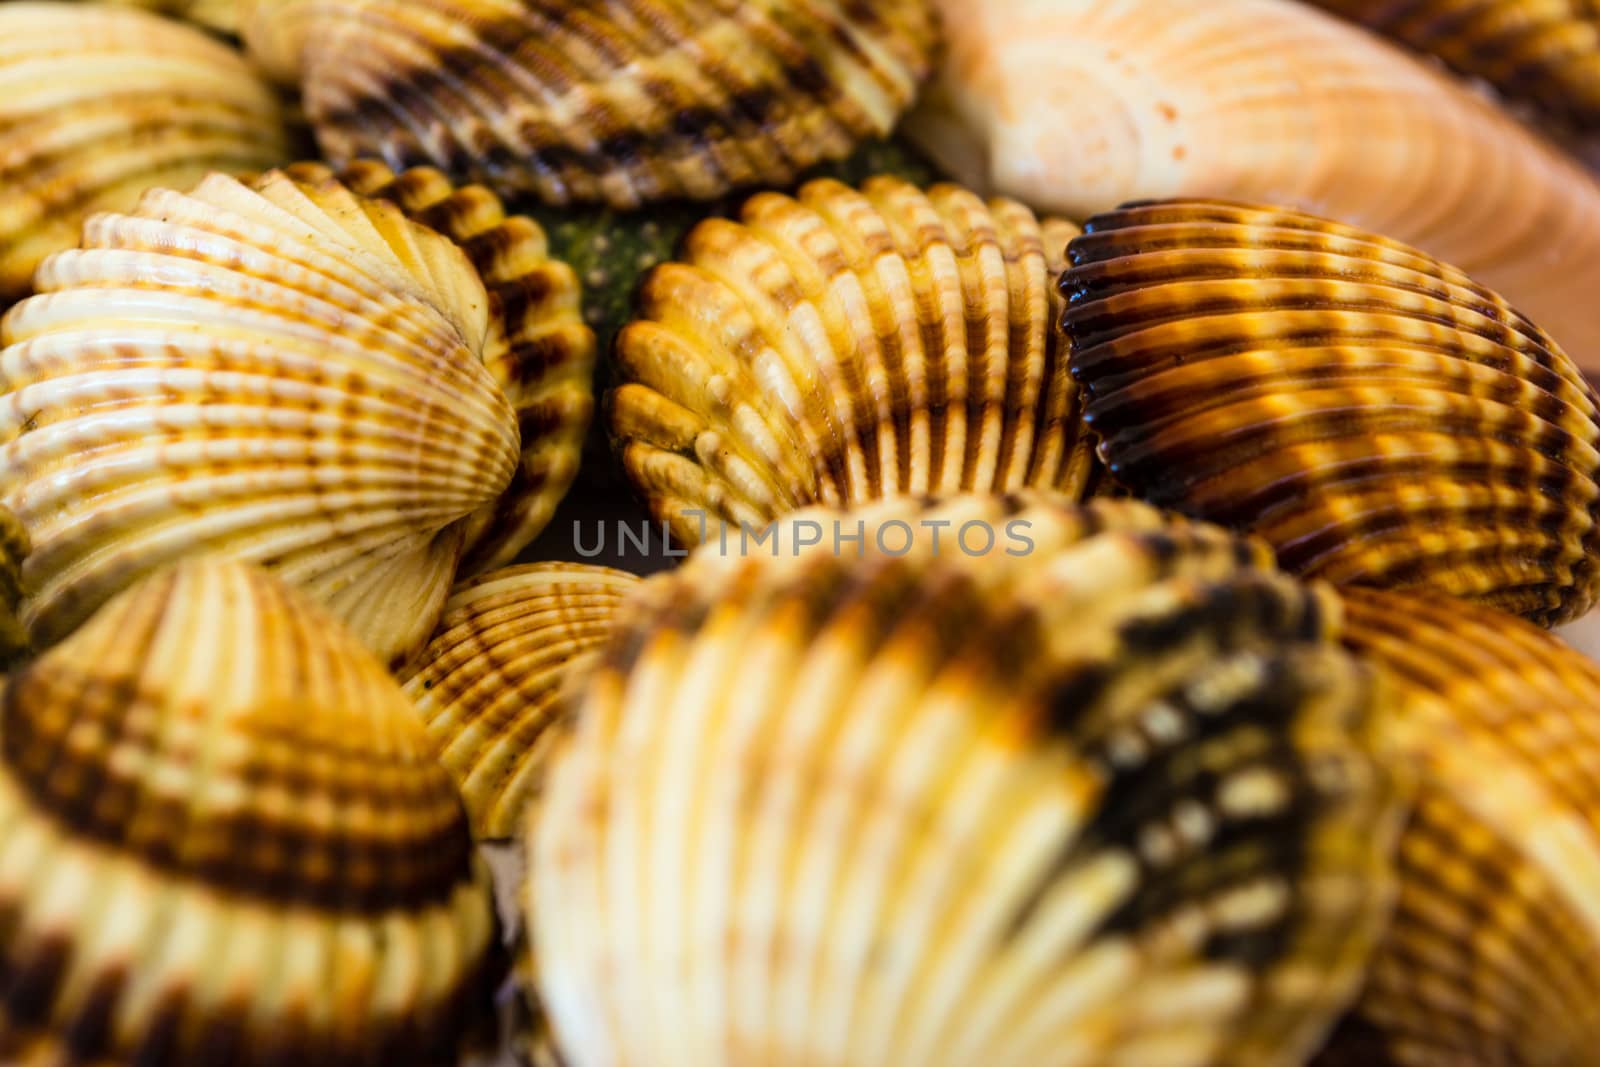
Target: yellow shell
1077, 106
99, 103
488, 682
1493, 956
223, 840
297, 376
219, 15
1105, 802
1373, 414
622, 101
843, 345
13, 550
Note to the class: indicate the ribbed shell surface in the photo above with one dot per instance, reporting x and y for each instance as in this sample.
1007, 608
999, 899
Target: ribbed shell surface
846, 345
1493, 956
1375, 415
224, 840
99, 103
13, 550
1104, 802
488, 684
621, 101
293, 375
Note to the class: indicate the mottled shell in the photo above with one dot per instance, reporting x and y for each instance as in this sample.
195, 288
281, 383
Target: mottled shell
99, 103
1493, 956
1099, 803
1080, 105
1542, 52
224, 840
219, 15
1375, 415
487, 684
13, 550
620, 101
842, 346
296, 376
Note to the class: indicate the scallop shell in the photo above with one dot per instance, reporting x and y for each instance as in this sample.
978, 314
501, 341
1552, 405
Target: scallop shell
1375, 415
223, 840
1542, 52
1494, 952
843, 346
621, 101
1077, 106
1103, 802
292, 375
487, 684
99, 103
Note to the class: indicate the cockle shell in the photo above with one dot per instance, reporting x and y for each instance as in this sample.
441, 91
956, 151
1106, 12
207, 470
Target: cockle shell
1493, 956
298, 376
487, 685
845, 345
1106, 802
99, 103
1376, 416
1077, 106
621, 101
224, 840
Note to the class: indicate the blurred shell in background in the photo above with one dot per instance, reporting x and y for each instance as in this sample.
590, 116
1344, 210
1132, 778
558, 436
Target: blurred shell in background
219, 15
1077, 106
1376, 416
223, 839
99, 103
488, 682
845, 345
621, 101
1494, 953
1105, 802
290, 374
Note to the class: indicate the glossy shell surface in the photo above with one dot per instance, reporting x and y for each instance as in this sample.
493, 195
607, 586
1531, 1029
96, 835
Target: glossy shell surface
1378, 417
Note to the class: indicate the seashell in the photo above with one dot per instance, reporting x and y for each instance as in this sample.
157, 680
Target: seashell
223, 839
621, 101
845, 345
219, 15
297, 376
487, 684
1534, 51
1106, 802
1493, 955
1376, 416
1077, 106
99, 103
13, 550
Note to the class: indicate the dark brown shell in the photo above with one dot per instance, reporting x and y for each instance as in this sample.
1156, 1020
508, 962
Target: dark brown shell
1372, 413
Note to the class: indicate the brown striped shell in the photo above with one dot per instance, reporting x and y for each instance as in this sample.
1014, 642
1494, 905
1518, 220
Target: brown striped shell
1105, 801
1493, 956
487, 684
1543, 52
99, 103
845, 345
295, 375
621, 101
1375, 415
224, 840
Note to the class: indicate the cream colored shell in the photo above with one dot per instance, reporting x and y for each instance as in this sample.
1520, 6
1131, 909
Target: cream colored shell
219, 15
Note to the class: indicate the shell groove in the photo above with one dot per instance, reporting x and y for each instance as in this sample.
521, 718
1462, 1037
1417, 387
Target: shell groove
1376, 416
487, 685
219, 15
223, 839
99, 103
845, 345
13, 550
283, 372
1103, 802
1493, 955
1077, 106
622, 101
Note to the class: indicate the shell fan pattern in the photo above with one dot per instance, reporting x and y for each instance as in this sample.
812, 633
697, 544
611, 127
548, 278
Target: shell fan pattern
621, 101
223, 839
297, 376
1375, 415
1107, 802
844, 345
